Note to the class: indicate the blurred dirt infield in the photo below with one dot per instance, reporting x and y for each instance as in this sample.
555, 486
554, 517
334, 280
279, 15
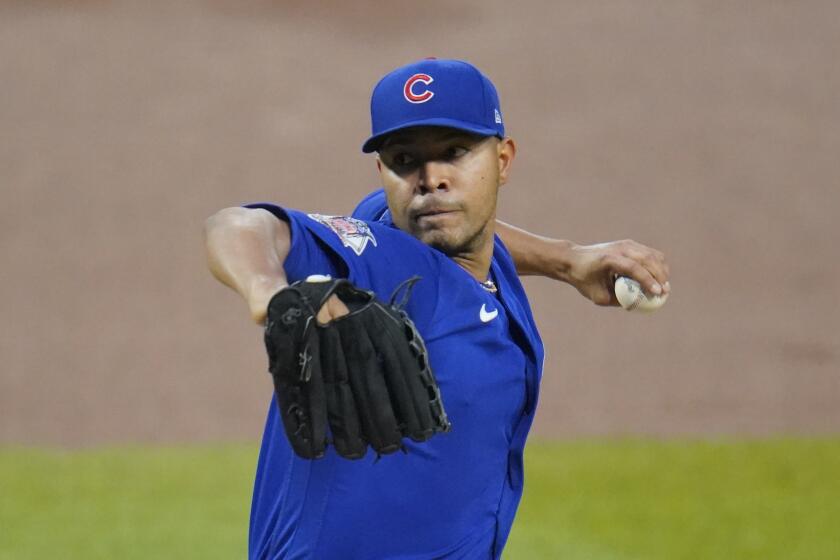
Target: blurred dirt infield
707, 129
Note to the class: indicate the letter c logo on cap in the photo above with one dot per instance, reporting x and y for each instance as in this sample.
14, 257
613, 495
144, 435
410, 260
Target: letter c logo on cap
413, 97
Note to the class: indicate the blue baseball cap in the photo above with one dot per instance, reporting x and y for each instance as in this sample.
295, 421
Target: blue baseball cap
432, 92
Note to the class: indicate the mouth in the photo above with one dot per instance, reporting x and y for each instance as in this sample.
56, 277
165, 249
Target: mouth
432, 208
432, 214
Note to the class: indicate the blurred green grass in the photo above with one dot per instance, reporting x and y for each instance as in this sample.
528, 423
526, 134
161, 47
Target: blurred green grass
681, 500
592, 500
127, 503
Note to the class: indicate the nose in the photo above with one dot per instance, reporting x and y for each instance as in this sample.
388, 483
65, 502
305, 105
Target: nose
433, 177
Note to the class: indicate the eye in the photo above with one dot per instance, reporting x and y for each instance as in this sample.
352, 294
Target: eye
454, 152
403, 159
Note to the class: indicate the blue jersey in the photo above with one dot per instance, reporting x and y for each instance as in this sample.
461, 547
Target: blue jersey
453, 496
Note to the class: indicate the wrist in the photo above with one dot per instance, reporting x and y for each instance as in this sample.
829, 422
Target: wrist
559, 259
260, 291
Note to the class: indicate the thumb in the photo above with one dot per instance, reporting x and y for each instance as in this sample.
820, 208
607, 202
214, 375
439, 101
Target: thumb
332, 309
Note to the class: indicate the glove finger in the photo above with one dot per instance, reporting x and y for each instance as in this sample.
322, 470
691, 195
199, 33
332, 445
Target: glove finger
418, 352
370, 389
402, 374
421, 410
316, 398
295, 370
341, 406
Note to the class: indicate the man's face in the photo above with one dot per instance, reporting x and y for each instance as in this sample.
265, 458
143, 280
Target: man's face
442, 185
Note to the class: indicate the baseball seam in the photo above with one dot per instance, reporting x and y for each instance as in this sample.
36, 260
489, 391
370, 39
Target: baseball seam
635, 303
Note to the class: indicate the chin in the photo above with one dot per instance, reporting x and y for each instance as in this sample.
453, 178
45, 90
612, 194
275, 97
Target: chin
433, 238
445, 248
443, 243
451, 243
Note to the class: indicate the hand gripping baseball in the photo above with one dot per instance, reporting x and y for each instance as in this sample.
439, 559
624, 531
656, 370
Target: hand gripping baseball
362, 379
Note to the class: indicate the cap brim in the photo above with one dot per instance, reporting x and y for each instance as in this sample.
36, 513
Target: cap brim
373, 143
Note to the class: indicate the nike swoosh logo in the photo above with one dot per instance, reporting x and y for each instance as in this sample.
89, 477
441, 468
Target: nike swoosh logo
487, 316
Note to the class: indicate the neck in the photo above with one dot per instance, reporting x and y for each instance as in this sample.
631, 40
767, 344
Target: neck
477, 261
478, 270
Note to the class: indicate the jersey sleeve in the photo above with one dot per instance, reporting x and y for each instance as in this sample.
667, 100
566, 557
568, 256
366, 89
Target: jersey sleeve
308, 253
373, 207
373, 256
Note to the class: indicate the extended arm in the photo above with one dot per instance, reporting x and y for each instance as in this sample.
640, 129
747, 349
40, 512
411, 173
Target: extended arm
246, 249
591, 269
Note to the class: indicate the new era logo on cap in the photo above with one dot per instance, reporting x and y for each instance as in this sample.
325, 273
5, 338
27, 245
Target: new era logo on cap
431, 92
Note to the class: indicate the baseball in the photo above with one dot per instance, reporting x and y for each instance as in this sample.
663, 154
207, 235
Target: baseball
632, 298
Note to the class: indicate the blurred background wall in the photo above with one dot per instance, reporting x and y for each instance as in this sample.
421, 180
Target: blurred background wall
707, 129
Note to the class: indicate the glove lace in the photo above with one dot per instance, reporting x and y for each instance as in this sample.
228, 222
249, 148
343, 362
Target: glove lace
408, 286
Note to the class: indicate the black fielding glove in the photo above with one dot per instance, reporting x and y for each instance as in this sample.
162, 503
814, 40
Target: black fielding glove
366, 375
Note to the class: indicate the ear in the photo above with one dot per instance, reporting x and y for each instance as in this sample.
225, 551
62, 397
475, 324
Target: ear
506, 149
378, 164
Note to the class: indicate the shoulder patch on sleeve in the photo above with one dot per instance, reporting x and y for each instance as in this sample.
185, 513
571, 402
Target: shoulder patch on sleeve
352, 232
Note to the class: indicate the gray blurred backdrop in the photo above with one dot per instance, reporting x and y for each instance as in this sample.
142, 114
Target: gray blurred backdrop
707, 129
